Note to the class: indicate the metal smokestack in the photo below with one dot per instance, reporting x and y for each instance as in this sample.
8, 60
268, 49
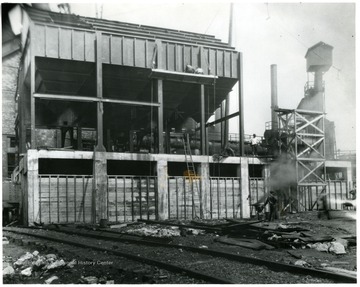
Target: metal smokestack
274, 98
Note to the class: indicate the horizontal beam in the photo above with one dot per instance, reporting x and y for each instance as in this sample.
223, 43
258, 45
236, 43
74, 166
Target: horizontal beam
312, 184
92, 99
182, 77
223, 119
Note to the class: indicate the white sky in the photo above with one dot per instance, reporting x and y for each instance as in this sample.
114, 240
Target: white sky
266, 34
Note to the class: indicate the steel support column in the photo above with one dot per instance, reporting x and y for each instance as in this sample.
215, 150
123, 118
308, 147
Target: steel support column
99, 94
241, 107
160, 115
203, 138
32, 92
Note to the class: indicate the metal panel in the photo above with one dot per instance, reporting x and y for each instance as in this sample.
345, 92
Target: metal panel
186, 56
89, 47
212, 62
52, 42
150, 51
39, 43
235, 73
116, 50
105, 48
170, 57
227, 64
140, 53
65, 44
128, 51
219, 63
179, 58
78, 43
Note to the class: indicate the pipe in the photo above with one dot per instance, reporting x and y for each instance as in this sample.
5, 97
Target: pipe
227, 101
274, 98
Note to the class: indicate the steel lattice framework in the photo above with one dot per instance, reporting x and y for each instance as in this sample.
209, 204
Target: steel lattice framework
302, 139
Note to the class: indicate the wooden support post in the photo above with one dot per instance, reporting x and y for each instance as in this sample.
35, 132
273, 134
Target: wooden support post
33, 212
203, 138
243, 173
204, 172
241, 106
160, 115
100, 187
162, 190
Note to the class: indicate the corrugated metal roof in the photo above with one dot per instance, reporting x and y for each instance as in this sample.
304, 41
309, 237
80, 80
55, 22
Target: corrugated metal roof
124, 28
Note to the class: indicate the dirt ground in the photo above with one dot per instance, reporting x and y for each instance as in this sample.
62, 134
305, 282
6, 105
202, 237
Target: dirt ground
339, 226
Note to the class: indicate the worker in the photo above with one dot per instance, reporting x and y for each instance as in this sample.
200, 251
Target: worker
323, 205
254, 142
272, 200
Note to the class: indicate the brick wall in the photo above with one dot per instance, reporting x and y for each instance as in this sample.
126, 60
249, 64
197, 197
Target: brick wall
10, 66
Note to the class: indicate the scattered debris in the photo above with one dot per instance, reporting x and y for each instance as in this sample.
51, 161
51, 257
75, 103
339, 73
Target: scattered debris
35, 253
203, 246
51, 279
118, 225
89, 280
301, 263
72, 263
110, 282
5, 240
245, 242
8, 271
26, 272
48, 256
154, 231
56, 264
40, 262
323, 247
337, 248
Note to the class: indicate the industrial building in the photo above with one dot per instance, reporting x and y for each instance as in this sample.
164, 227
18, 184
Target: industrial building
114, 123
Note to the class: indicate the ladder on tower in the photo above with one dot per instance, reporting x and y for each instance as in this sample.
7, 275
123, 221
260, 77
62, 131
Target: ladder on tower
191, 172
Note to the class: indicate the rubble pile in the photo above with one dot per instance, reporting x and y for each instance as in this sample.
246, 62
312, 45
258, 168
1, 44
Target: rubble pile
155, 231
34, 265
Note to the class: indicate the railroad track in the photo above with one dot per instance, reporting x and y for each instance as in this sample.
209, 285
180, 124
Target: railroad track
212, 266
